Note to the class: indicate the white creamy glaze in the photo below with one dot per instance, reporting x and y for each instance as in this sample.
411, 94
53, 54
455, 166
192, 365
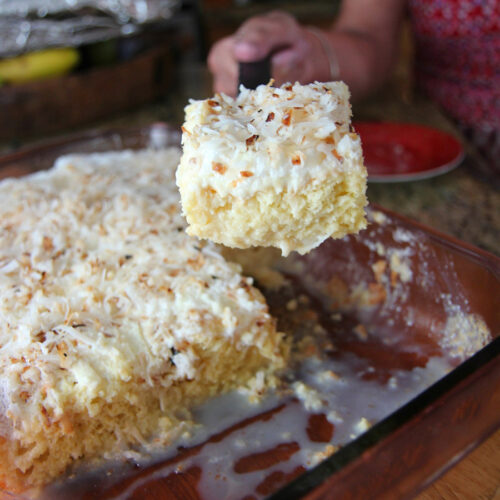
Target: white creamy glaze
349, 402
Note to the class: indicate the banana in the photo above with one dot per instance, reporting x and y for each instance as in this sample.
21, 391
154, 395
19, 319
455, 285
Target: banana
38, 65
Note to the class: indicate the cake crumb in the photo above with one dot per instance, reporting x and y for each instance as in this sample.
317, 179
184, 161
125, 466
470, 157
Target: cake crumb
310, 397
319, 456
379, 217
361, 332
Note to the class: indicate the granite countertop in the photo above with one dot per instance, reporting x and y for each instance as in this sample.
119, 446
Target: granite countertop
461, 203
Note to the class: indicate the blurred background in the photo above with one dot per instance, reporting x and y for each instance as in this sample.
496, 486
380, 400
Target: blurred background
65, 64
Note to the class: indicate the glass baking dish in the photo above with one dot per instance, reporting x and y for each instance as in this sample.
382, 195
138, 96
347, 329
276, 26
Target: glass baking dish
403, 452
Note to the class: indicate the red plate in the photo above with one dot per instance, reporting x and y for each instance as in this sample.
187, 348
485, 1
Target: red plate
397, 152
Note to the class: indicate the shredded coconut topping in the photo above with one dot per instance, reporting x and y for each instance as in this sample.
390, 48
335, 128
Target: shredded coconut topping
100, 284
295, 134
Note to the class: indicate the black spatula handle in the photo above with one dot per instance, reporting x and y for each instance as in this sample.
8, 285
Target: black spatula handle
252, 74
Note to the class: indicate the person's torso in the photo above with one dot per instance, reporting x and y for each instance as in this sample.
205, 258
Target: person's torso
458, 57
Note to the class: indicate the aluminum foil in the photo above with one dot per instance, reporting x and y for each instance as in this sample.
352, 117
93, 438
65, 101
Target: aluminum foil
28, 25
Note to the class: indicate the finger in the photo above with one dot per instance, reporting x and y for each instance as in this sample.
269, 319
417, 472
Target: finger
260, 36
226, 78
221, 55
225, 86
223, 66
285, 66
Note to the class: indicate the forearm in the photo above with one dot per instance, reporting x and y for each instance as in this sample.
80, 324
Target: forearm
359, 49
354, 62
364, 46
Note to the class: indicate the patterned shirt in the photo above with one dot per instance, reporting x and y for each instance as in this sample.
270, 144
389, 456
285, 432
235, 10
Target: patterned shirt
458, 63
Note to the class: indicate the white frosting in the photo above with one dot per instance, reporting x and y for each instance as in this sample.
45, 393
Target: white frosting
99, 283
281, 137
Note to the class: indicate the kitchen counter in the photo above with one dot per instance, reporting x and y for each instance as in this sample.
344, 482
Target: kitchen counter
461, 203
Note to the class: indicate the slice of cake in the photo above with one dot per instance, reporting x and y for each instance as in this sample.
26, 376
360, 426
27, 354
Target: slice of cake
273, 167
113, 322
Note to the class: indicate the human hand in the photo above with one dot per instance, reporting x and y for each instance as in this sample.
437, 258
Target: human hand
296, 53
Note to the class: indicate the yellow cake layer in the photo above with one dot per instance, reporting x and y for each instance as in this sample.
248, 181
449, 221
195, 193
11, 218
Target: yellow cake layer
273, 167
113, 322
